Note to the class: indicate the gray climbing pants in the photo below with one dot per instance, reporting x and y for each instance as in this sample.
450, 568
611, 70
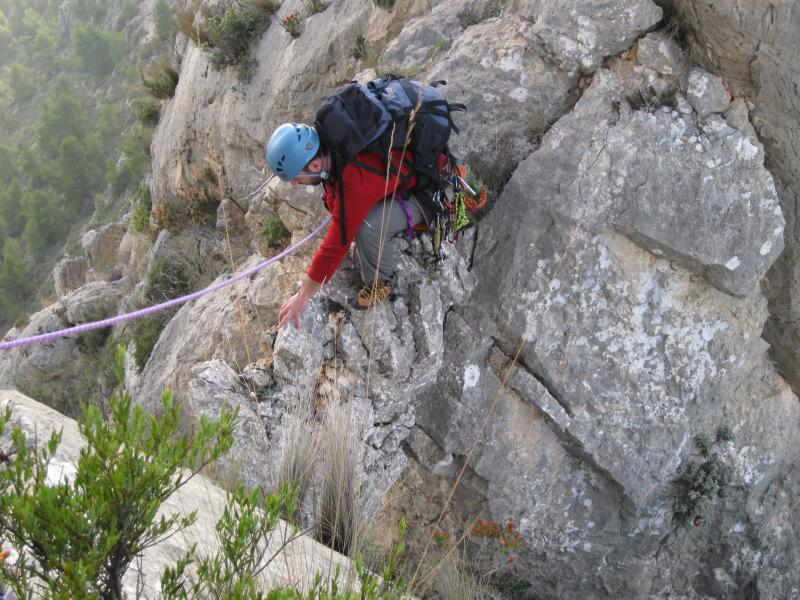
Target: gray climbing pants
371, 236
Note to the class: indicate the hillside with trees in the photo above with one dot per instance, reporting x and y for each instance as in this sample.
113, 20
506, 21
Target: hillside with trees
75, 130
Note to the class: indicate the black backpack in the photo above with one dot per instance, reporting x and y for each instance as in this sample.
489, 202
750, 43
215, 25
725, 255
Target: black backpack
378, 116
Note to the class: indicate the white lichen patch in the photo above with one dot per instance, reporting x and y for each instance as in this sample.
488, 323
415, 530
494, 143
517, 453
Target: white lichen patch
746, 149
733, 263
698, 84
765, 248
520, 94
472, 375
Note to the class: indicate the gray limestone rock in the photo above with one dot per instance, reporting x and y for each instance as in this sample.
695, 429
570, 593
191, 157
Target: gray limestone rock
626, 356
100, 246
92, 302
662, 53
42, 363
508, 88
706, 92
425, 38
132, 256
215, 385
69, 274
579, 35
701, 197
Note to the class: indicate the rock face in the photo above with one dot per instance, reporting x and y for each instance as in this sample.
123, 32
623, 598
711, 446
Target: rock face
569, 350
755, 49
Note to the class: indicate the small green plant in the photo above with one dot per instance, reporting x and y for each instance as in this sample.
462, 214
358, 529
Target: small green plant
231, 35
650, 99
244, 530
440, 47
468, 17
291, 23
147, 111
725, 434
269, 7
140, 222
274, 233
159, 80
315, 6
703, 443
385, 4
702, 482
360, 47
77, 536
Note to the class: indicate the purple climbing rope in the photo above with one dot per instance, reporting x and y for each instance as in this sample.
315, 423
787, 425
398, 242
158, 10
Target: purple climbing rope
144, 312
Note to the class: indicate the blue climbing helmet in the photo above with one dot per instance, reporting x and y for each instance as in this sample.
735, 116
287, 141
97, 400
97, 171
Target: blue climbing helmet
291, 147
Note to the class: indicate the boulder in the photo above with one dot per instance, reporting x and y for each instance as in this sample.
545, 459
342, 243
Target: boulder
698, 196
510, 91
579, 36
100, 246
618, 359
661, 53
706, 93
69, 274
92, 302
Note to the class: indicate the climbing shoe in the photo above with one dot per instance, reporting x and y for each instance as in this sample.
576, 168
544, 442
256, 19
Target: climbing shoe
372, 293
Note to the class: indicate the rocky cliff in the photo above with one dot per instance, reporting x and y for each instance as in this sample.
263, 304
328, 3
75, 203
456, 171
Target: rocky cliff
562, 361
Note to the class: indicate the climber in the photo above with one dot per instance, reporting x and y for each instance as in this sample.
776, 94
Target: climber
373, 214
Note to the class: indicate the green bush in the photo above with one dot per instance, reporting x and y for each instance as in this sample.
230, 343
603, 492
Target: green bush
140, 222
78, 536
160, 80
166, 280
148, 111
164, 20
387, 4
702, 481
232, 34
145, 335
274, 233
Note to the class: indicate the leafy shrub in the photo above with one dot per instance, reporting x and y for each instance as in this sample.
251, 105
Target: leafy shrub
185, 23
77, 537
291, 23
140, 222
160, 80
315, 6
147, 111
164, 20
468, 17
702, 481
231, 35
274, 233
144, 336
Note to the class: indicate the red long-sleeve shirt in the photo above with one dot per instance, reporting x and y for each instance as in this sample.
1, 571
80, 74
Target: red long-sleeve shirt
362, 190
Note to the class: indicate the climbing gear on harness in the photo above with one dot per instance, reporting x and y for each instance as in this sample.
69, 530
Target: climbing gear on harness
409, 232
371, 294
290, 148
